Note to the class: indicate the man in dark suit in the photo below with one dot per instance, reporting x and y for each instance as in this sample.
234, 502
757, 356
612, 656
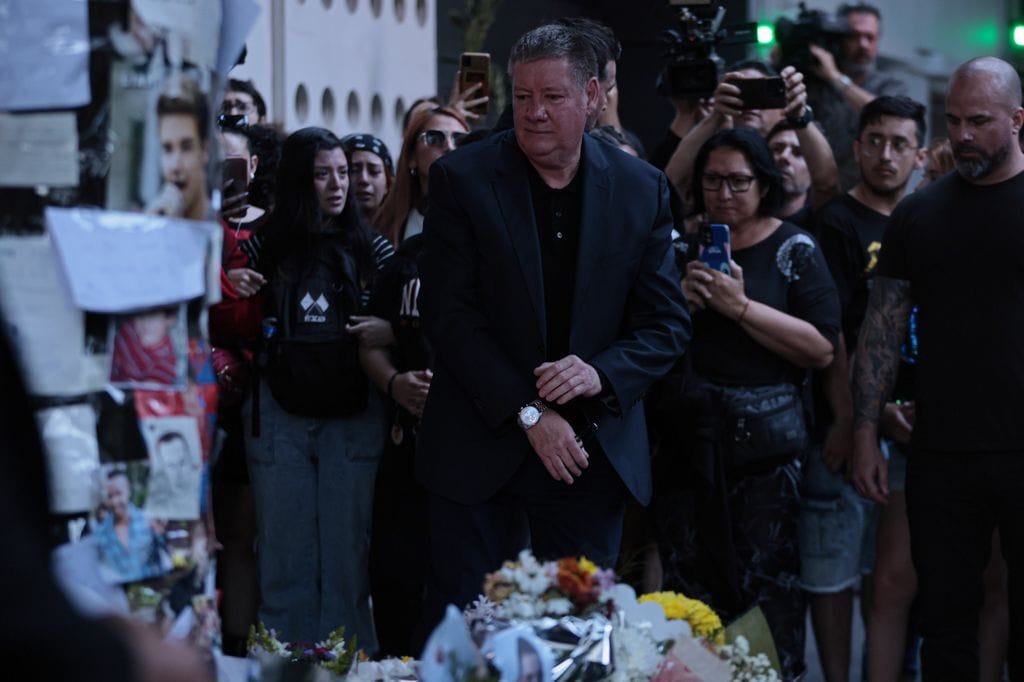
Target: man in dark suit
551, 299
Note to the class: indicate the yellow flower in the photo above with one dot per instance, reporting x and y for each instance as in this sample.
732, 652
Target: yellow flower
703, 621
587, 565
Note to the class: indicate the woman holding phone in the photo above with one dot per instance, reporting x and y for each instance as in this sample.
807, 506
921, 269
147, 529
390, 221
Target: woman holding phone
758, 329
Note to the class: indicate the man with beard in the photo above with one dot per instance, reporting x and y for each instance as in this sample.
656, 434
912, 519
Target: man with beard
810, 178
838, 527
953, 249
839, 90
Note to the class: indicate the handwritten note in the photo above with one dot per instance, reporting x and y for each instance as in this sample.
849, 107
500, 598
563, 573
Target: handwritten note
38, 149
44, 54
119, 262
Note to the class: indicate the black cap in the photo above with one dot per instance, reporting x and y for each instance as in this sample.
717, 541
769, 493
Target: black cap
368, 143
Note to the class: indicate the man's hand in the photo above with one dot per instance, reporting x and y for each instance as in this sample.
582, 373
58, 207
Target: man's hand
245, 281
838, 446
373, 332
825, 68
554, 441
410, 390
796, 92
561, 381
869, 472
898, 421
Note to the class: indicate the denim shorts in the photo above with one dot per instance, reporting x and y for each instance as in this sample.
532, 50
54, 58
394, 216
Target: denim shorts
838, 529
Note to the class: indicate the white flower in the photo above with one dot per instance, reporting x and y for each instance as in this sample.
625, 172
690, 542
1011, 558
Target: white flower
637, 656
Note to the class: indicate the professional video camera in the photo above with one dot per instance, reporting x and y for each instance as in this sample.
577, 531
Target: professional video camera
692, 68
810, 26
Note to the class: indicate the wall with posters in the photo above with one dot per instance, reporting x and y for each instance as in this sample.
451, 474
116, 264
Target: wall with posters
347, 65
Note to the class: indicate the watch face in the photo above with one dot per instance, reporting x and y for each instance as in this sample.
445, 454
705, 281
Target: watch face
529, 416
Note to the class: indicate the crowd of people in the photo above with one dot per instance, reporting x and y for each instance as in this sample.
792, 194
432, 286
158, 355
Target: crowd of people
508, 337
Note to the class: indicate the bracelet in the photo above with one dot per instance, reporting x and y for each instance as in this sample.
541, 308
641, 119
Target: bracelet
391, 382
743, 312
845, 81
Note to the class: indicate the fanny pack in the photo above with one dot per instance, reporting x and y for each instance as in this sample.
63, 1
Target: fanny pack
763, 426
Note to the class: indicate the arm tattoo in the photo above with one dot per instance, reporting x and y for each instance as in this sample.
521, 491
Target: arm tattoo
878, 348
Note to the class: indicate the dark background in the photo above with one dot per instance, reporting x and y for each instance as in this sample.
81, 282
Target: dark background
637, 23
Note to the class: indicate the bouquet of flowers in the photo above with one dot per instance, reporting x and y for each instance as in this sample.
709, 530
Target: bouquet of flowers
333, 654
528, 588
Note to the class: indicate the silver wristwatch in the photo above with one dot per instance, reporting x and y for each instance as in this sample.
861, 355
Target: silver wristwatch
530, 414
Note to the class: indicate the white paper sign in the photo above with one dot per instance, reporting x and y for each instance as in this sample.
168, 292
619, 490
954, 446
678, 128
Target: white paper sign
44, 54
72, 456
238, 19
120, 262
38, 149
48, 332
195, 22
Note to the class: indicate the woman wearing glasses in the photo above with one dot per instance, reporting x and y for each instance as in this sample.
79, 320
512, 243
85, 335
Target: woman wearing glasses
431, 134
757, 330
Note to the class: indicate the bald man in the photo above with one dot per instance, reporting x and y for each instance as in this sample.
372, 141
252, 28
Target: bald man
956, 251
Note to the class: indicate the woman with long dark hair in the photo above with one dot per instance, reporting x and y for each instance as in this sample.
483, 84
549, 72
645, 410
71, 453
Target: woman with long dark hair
315, 431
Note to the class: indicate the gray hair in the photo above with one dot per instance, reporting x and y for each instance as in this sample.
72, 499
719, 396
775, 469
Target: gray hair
552, 41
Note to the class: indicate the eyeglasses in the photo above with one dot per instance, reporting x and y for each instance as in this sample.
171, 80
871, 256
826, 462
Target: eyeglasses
737, 183
438, 138
873, 145
233, 122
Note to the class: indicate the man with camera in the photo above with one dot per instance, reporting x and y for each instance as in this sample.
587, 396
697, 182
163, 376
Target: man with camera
841, 83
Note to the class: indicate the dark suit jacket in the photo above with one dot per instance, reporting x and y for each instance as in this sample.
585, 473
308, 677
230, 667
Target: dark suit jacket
482, 302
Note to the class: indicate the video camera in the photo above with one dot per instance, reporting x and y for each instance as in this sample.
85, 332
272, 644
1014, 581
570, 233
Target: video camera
692, 65
810, 26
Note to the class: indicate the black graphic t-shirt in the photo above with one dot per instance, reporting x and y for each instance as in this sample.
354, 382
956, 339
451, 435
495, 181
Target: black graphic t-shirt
786, 271
850, 235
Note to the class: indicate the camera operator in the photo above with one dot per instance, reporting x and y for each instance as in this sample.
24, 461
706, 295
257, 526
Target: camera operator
729, 111
840, 85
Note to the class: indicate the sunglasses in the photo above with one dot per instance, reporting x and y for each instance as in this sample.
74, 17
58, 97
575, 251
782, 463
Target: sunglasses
233, 122
438, 138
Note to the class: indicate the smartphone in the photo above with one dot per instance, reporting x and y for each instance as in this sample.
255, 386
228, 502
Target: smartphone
762, 93
236, 169
475, 67
714, 247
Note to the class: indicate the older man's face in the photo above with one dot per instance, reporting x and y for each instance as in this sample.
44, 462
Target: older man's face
550, 109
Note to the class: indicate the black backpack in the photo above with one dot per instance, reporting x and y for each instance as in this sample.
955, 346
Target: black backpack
310, 362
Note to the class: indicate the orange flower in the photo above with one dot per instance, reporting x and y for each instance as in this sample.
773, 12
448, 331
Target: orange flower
576, 582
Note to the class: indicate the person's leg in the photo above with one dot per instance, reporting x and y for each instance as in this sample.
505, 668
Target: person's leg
895, 584
952, 515
994, 625
831, 526
1009, 483
467, 541
582, 519
284, 492
765, 516
348, 453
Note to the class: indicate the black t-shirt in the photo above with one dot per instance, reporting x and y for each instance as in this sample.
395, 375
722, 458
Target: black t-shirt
961, 247
786, 271
801, 218
850, 235
396, 298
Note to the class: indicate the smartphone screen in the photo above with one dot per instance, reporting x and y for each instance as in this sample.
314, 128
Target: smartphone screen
762, 93
236, 169
714, 247
475, 67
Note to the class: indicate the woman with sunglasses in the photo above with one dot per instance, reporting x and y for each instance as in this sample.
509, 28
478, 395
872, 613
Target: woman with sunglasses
431, 134
313, 463
757, 330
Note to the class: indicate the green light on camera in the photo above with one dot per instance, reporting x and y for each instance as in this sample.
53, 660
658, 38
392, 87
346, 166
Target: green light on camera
1017, 35
765, 34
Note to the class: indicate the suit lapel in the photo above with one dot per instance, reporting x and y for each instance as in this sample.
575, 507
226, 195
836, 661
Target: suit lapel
512, 189
593, 225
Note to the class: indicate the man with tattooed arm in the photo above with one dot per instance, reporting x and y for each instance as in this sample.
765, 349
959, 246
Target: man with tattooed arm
955, 250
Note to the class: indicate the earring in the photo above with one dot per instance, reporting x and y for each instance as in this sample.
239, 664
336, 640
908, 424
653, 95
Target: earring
412, 172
